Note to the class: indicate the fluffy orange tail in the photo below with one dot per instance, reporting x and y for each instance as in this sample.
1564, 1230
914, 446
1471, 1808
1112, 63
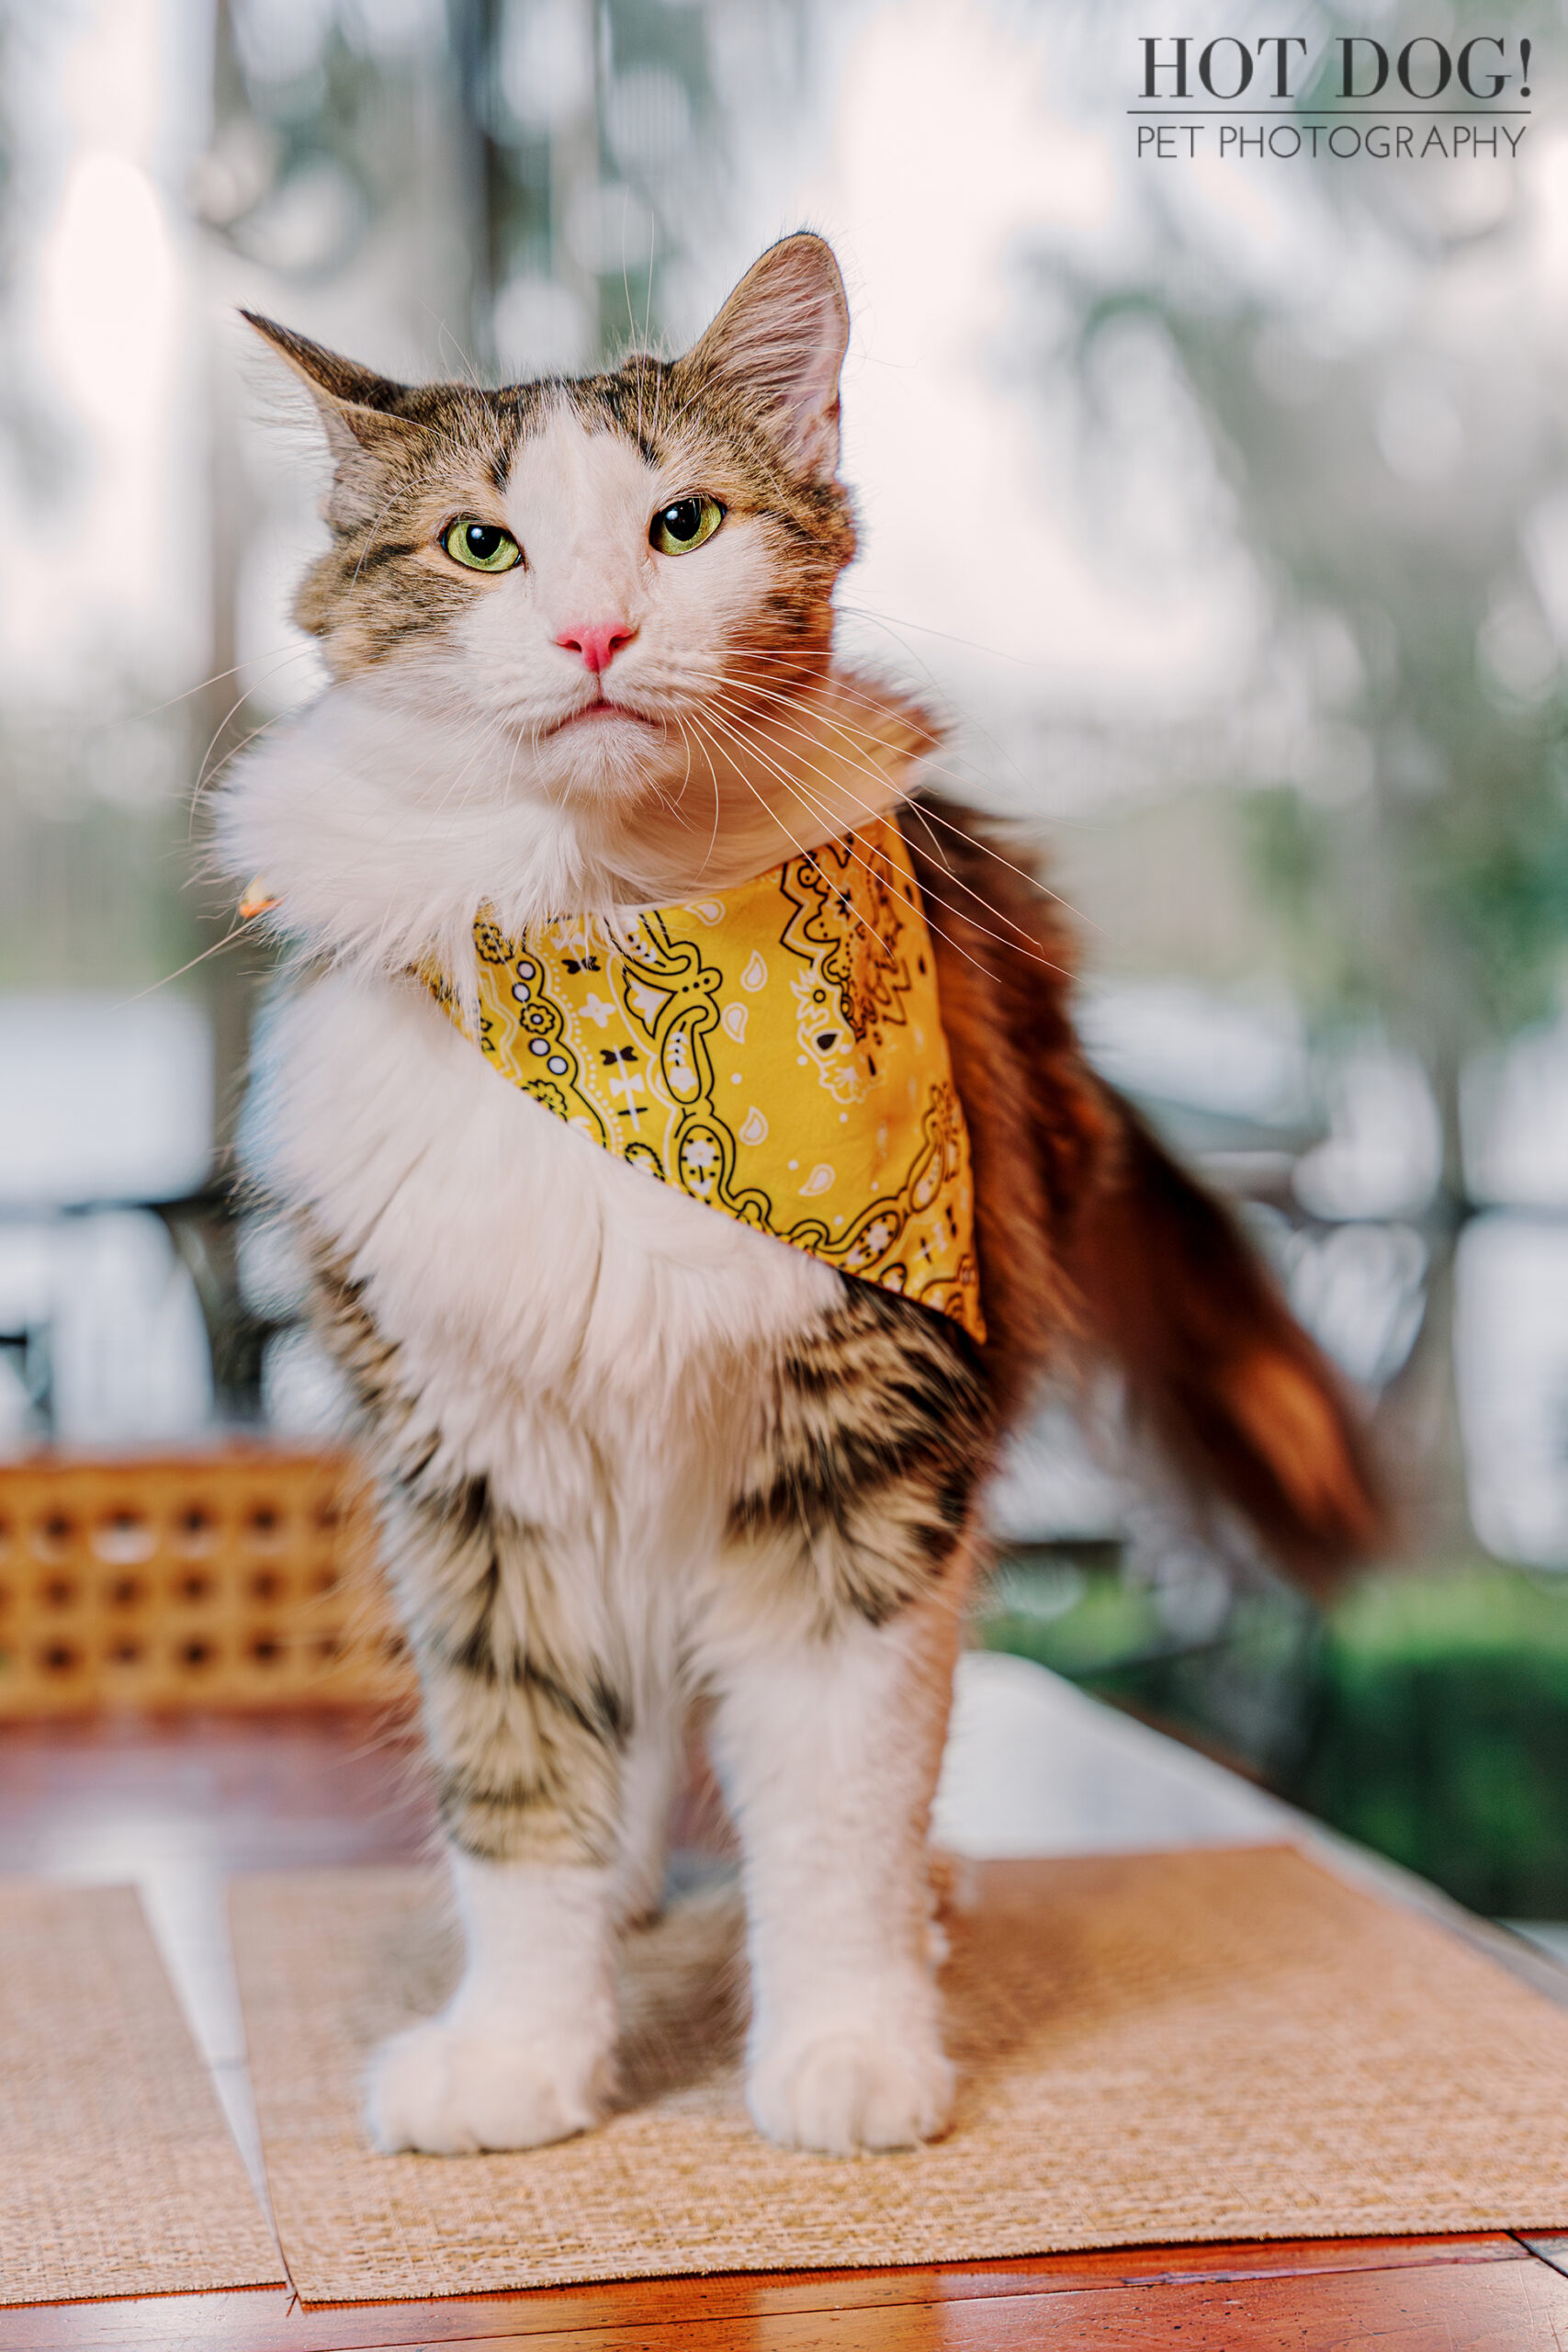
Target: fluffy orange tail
1090, 1233
1217, 1367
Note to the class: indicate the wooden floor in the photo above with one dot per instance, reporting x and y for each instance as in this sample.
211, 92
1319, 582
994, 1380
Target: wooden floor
175, 1808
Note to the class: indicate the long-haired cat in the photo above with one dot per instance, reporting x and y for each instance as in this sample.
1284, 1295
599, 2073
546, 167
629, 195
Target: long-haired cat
636, 1457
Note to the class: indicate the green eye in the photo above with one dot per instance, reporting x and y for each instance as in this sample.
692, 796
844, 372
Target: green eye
676, 530
481, 547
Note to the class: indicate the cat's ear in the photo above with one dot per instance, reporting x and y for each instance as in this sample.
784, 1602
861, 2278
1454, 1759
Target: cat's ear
358, 409
779, 342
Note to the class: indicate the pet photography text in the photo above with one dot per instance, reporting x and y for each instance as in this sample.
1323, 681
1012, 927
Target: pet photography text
1234, 99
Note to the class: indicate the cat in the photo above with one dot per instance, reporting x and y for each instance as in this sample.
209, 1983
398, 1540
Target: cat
637, 1458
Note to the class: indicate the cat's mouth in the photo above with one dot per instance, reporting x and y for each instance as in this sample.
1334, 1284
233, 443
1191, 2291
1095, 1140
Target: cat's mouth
593, 713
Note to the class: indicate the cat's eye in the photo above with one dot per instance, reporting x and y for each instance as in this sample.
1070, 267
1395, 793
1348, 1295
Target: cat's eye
481, 547
676, 530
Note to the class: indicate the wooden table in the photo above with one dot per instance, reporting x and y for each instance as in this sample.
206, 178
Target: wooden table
177, 1807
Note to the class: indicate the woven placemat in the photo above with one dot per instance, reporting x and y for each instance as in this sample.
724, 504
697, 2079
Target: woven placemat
1219, 2044
118, 2176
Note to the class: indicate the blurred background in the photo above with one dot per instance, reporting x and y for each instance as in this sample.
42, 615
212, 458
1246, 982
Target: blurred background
1222, 506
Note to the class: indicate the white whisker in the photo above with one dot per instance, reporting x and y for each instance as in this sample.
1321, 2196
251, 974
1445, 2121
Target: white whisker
1029, 948
933, 767
806, 855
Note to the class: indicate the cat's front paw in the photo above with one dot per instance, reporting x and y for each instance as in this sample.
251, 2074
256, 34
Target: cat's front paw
852, 2089
450, 2089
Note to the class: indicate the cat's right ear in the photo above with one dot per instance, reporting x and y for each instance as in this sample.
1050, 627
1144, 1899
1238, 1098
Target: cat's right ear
358, 409
778, 345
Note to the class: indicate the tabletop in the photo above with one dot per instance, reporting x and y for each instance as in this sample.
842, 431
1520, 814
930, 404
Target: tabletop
176, 1806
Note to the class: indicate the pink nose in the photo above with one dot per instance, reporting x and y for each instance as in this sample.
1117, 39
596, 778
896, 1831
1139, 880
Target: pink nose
597, 641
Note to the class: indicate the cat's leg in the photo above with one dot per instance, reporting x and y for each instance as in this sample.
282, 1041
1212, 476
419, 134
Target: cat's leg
829, 1753
526, 1734
855, 1517
651, 1775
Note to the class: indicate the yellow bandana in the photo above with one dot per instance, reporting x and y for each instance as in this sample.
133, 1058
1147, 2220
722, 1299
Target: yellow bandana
775, 1052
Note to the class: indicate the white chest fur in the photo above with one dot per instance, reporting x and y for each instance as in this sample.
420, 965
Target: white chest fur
549, 1304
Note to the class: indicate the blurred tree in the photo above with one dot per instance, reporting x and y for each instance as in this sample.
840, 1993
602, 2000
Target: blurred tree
510, 187
1386, 427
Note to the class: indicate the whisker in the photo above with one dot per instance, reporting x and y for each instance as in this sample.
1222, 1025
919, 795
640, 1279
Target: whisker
217, 679
770, 694
827, 883
712, 837
204, 781
225, 762
511, 772
973, 961
840, 682
201, 778
929, 817
807, 799
935, 767
880, 620
626, 295
444, 335
1029, 948
217, 947
647, 306
888, 621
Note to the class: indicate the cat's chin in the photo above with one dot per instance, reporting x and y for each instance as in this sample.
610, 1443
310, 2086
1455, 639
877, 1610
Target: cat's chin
606, 760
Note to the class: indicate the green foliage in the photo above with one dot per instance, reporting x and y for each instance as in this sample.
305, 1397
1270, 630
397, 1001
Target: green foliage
1044, 1607
1244, 1688
1442, 1736
1425, 1716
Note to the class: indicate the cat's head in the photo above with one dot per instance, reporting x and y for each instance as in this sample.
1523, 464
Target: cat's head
614, 572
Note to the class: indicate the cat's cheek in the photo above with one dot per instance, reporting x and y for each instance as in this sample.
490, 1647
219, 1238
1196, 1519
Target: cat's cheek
499, 657
719, 597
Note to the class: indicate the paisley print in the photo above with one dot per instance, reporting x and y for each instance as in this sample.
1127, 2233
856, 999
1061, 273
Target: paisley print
775, 1052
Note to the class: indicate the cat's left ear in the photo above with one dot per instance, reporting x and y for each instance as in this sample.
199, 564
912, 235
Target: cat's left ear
358, 409
779, 343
